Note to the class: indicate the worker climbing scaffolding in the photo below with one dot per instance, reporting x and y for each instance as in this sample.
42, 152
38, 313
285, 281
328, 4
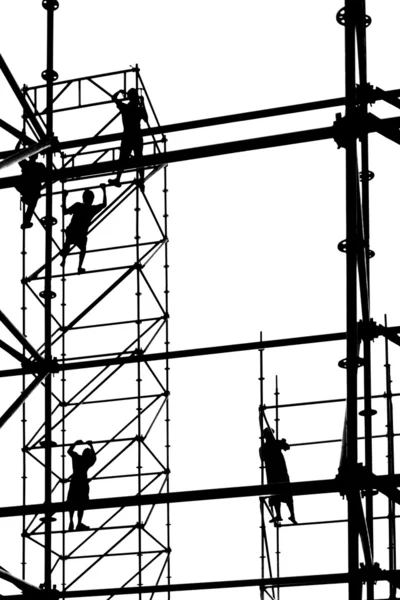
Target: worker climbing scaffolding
77, 231
132, 140
78, 493
275, 468
29, 186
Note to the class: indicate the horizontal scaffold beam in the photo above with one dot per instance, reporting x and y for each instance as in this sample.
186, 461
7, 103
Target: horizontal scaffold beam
296, 488
294, 581
99, 169
225, 119
363, 575
162, 158
134, 357
213, 121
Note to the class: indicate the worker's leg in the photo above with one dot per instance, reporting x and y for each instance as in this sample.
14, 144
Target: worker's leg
81, 526
278, 510
65, 250
124, 154
275, 504
290, 505
82, 255
30, 209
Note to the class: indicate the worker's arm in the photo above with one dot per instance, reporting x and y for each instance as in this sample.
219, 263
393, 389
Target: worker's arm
283, 444
143, 111
117, 101
104, 203
71, 449
66, 210
92, 452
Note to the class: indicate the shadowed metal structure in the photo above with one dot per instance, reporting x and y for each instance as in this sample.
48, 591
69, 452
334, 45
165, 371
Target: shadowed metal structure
72, 377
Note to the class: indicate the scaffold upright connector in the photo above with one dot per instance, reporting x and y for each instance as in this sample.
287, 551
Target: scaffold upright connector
368, 331
345, 129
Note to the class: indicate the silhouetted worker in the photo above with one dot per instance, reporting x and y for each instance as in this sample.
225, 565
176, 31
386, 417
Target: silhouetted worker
77, 231
29, 186
132, 139
275, 468
78, 493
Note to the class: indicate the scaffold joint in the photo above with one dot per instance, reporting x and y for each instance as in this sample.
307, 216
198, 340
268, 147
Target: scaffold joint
49, 75
44, 294
370, 175
50, 4
341, 17
366, 93
45, 220
54, 366
345, 129
344, 363
368, 331
375, 571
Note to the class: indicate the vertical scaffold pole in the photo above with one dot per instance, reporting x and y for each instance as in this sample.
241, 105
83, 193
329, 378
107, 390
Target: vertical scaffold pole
63, 395
167, 367
364, 253
261, 418
390, 460
351, 295
24, 412
49, 75
278, 550
138, 387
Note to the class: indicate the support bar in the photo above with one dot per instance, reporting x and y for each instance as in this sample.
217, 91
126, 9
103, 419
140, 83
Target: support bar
190, 353
163, 158
19, 401
14, 353
135, 358
297, 488
23, 154
21, 584
362, 576
18, 335
27, 109
16, 133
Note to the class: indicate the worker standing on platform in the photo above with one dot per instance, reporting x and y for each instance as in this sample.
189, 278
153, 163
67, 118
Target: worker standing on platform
78, 493
77, 231
29, 186
132, 113
275, 468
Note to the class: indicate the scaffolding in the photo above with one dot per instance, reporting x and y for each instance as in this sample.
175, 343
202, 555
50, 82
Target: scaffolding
76, 365
130, 307
271, 544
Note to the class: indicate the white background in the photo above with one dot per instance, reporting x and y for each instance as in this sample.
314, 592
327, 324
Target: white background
253, 247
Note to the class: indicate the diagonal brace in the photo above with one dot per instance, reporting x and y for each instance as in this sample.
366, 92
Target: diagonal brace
21, 584
18, 335
22, 137
390, 97
21, 98
384, 128
23, 154
21, 399
14, 353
